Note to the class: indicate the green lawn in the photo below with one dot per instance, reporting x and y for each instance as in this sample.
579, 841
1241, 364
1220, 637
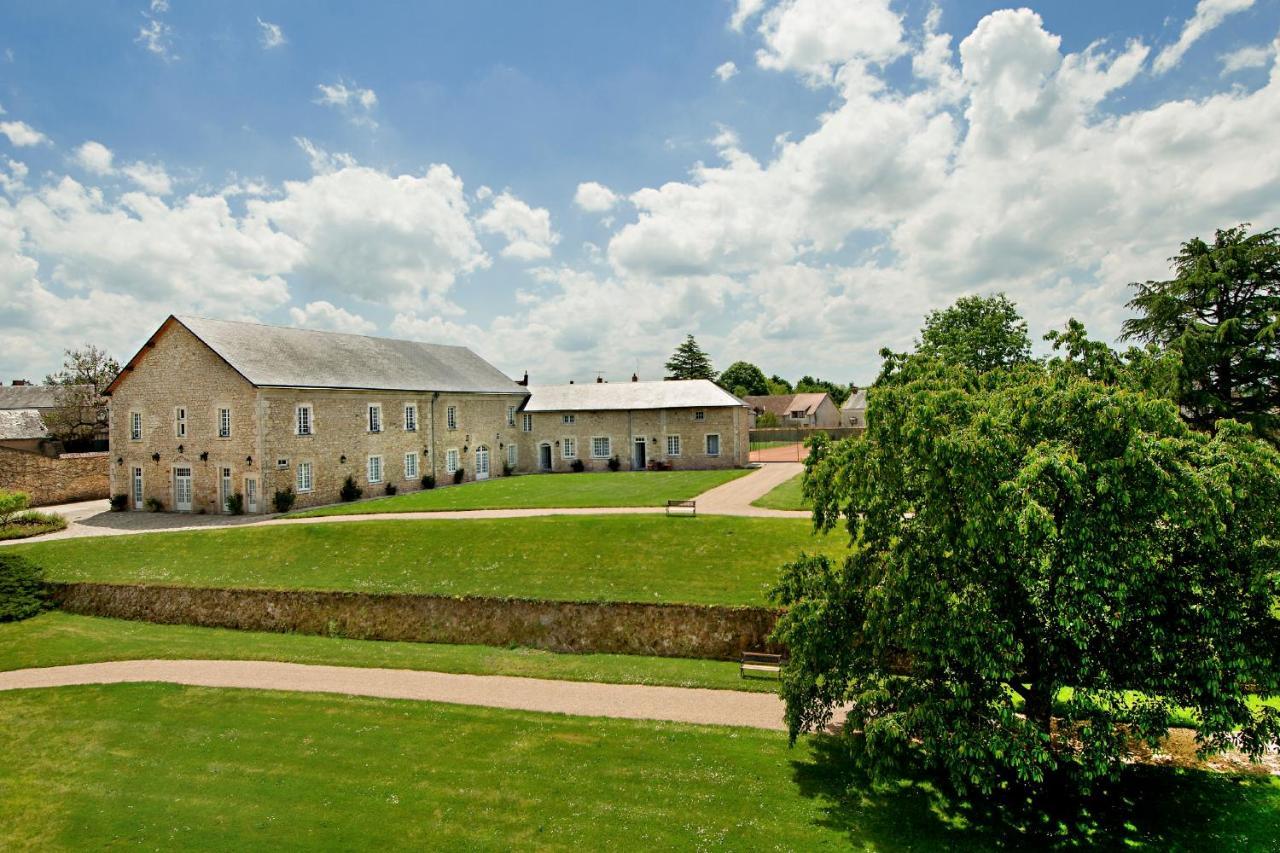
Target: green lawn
608, 489
783, 496
707, 560
56, 639
169, 767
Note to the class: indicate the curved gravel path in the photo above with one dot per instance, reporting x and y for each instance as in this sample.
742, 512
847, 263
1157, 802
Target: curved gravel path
628, 701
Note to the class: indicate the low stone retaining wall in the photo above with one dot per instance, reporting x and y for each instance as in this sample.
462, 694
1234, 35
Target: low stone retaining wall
55, 479
669, 630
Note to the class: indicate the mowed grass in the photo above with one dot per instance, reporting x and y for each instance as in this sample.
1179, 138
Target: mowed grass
58, 639
607, 489
705, 560
171, 767
783, 496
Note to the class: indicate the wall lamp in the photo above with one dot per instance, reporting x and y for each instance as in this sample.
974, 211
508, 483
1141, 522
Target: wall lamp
119, 460
342, 460
248, 460
155, 457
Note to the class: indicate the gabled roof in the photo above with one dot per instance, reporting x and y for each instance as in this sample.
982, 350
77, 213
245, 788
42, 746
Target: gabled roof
18, 424
624, 396
281, 357
784, 404
857, 400
29, 396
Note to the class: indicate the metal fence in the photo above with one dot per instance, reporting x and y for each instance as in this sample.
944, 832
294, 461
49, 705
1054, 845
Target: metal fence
787, 444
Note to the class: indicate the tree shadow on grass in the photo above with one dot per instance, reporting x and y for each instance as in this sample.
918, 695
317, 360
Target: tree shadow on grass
1150, 807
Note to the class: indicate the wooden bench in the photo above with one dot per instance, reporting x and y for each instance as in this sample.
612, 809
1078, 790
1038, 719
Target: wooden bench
760, 663
682, 507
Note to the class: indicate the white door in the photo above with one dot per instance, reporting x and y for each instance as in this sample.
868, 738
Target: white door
137, 488
251, 494
182, 489
482, 463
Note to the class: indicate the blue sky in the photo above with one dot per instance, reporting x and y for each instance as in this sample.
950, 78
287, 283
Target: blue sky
415, 169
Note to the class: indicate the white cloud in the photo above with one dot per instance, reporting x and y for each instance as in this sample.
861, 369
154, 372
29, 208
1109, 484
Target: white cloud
745, 11
726, 71
329, 317
594, 197
159, 6
271, 35
322, 162
151, 177
156, 35
1258, 56
21, 134
815, 37
1208, 15
354, 102
527, 229
94, 157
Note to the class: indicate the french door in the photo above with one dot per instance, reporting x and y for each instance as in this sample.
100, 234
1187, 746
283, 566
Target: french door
482, 463
182, 489
137, 488
251, 494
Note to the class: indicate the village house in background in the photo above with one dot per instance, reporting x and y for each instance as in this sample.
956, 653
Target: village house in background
795, 410
32, 460
854, 411
208, 409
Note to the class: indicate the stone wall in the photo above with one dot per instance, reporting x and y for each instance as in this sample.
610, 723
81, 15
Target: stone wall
55, 479
667, 630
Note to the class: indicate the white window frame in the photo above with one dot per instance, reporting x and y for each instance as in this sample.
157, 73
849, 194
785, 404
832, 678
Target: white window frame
375, 417
282, 463
369, 472
135, 426
410, 417
411, 461
137, 487
512, 455
451, 417
707, 443
569, 447
528, 422
673, 441
225, 486
180, 421
608, 447
304, 478
298, 419
451, 462
511, 415
568, 420
224, 422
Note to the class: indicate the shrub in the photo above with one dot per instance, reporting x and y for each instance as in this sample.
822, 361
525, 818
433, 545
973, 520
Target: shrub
391, 489
22, 590
428, 481
615, 463
154, 505
283, 500
119, 503
457, 475
12, 503
235, 504
350, 491
507, 470
577, 465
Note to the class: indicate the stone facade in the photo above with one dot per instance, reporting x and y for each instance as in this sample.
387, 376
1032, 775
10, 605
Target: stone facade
54, 479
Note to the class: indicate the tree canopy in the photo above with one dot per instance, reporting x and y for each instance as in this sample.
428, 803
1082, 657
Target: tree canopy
978, 332
778, 385
811, 385
81, 410
690, 362
1221, 314
744, 379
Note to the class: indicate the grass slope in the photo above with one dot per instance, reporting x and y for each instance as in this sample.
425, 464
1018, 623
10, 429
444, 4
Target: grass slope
608, 489
57, 639
29, 524
163, 766
783, 496
708, 560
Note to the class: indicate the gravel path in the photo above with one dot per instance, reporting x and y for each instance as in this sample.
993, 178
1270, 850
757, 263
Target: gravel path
628, 701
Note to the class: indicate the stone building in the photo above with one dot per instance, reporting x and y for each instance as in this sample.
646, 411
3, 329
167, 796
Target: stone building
797, 410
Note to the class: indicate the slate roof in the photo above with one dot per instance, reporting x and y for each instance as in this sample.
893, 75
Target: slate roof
28, 396
627, 396
857, 400
784, 404
276, 356
18, 424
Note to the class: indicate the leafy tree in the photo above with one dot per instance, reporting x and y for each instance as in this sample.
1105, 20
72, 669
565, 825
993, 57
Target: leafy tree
12, 503
743, 379
766, 420
809, 385
1221, 314
1022, 531
690, 362
81, 411
979, 332
1149, 369
778, 386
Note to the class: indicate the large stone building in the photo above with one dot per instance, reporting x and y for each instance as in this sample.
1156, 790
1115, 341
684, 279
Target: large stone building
208, 409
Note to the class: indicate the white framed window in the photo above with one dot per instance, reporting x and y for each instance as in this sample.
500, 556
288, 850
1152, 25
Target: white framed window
511, 455
528, 422
137, 488
411, 466
224, 423
601, 447
451, 417
411, 417
673, 445
135, 426
303, 480
224, 489
568, 419
281, 464
699, 415
511, 415
305, 423
451, 460
375, 469
375, 417
569, 447
713, 444
180, 421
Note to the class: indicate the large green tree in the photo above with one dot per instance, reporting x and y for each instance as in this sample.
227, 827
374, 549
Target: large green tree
978, 332
1221, 314
689, 361
744, 379
812, 385
81, 411
778, 386
1020, 531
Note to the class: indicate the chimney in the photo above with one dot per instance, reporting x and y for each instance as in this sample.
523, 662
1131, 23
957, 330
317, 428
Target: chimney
21, 382
570, 381
525, 381
635, 377
599, 380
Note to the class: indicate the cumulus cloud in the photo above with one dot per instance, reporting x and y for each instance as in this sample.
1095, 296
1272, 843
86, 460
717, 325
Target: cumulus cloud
1257, 56
594, 197
726, 71
270, 35
1208, 15
815, 36
21, 134
527, 229
151, 177
356, 103
329, 317
745, 11
322, 161
98, 159
95, 157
